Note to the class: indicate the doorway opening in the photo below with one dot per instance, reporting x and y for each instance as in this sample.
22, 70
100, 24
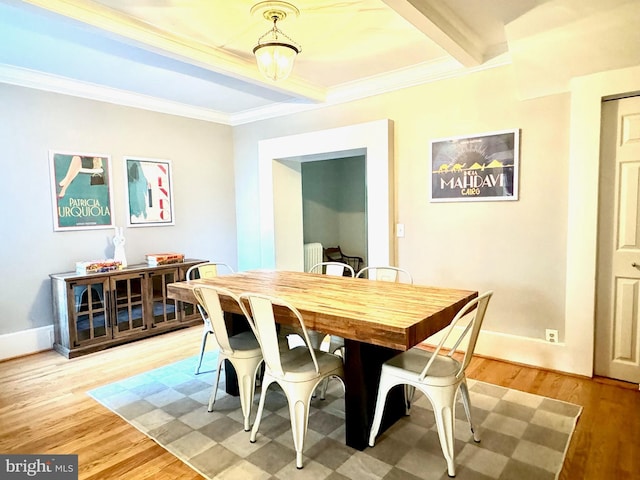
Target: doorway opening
334, 204
281, 211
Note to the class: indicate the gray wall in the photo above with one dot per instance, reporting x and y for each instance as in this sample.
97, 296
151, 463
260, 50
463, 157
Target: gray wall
33, 122
334, 204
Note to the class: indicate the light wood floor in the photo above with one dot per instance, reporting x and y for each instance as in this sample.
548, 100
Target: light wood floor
44, 409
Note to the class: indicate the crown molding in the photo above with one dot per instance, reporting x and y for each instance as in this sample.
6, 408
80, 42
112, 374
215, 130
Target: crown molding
75, 88
377, 85
427, 72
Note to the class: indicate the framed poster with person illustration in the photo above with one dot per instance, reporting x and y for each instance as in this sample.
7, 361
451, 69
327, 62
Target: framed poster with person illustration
81, 190
480, 167
149, 192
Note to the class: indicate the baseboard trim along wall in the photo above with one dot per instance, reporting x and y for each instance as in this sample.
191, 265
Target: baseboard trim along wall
521, 350
26, 342
510, 348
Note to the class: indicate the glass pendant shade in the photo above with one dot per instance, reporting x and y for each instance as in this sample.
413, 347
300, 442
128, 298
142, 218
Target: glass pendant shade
275, 51
275, 59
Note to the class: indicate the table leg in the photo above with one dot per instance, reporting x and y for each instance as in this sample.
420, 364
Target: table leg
235, 324
363, 363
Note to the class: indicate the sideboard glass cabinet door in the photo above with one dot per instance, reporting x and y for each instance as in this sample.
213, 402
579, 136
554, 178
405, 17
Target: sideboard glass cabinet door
88, 312
128, 304
164, 310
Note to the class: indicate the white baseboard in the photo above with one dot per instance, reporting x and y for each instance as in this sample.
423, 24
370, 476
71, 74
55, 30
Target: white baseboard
525, 350
501, 346
21, 343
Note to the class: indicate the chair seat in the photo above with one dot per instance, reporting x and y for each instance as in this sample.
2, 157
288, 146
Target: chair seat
245, 345
295, 363
408, 366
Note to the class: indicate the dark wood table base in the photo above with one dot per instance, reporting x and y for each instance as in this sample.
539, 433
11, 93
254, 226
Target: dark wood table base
363, 364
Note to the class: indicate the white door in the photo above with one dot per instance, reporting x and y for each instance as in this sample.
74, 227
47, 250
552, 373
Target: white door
618, 295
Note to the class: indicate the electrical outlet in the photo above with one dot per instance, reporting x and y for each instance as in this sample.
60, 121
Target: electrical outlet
551, 335
400, 230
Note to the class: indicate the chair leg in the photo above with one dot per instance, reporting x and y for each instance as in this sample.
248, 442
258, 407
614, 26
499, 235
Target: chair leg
247, 385
205, 333
323, 388
299, 398
443, 400
212, 398
316, 339
381, 399
466, 402
336, 346
266, 381
409, 392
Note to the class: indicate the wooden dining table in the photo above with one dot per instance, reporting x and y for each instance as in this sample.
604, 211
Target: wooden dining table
377, 320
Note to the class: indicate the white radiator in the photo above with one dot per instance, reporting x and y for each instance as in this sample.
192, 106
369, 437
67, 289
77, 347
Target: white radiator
312, 255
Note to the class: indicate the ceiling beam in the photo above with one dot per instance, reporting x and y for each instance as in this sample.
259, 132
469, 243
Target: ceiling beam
444, 27
138, 33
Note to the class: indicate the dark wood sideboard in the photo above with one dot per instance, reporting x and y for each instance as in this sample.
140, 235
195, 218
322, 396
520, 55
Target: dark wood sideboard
99, 310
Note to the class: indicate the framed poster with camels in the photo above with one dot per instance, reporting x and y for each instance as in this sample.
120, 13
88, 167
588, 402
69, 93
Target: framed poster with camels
481, 167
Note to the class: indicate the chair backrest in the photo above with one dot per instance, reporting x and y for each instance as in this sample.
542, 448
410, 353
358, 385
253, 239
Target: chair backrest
209, 298
261, 316
332, 268
207, 270
386, 273
472, 330
334, 254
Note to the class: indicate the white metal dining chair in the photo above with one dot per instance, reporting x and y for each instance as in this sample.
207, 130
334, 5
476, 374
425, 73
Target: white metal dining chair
336, 343
438, 376
333, 268
338, 269
386, 273
206, 270
297, 371
242, 350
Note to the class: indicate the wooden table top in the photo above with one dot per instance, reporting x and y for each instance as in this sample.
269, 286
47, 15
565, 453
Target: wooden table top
394, 315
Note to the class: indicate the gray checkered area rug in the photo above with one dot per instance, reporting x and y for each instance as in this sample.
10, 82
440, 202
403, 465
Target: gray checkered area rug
523, 436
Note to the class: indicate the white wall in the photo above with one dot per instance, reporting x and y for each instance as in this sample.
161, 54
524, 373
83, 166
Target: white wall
286, 213
34, 122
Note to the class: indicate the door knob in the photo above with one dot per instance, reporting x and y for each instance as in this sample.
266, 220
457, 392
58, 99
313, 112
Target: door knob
635, 265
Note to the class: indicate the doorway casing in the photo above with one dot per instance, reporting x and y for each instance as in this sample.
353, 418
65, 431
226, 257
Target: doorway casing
279, 165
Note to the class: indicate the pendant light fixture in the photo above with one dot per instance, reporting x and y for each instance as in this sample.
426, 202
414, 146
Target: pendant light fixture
275, 51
